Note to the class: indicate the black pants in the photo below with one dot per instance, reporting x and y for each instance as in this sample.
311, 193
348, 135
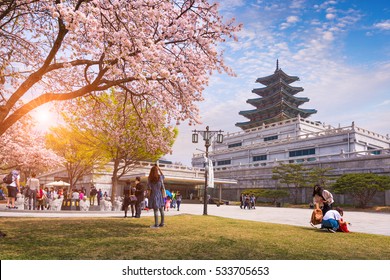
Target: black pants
138, 208
326, 208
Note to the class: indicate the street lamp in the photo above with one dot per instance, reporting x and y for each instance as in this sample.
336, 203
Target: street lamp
207, 136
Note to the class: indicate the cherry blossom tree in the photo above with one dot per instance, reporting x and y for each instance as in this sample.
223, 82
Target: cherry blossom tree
109, 124
24, 146
160, 52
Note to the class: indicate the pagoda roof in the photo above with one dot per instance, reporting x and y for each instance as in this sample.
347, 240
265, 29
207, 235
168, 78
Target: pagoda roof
296, 100
277, 75
275, 86
281, 106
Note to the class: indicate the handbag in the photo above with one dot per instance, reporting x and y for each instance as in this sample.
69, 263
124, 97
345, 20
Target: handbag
163, 192
316, 216
133, 198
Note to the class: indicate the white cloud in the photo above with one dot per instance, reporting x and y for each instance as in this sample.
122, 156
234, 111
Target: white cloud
292, 19
328, 36
385, 103
330, 16
231, 4
383, 25
297, 4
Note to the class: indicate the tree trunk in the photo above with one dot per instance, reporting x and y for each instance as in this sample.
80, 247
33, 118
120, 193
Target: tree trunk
114, 180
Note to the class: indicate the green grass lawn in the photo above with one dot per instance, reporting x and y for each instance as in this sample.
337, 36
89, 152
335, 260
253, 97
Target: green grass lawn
185, 237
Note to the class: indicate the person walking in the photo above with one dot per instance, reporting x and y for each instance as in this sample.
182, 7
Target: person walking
41, 198
13, 188
126, 199
156, 200
253, 201
92, 196
33, 184
99, 196
242, 199
139, 193
178, 200
173, 200
323, 197
133, 200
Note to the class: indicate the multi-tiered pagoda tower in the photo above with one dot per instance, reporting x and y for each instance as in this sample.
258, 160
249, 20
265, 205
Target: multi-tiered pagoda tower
277, 102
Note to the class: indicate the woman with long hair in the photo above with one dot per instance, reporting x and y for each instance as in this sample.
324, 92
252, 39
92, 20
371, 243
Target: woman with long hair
323, 197
156, 199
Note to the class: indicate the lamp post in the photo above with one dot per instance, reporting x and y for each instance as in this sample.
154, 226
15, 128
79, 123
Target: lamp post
207, 136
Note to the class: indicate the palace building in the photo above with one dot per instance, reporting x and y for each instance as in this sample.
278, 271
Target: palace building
278, 131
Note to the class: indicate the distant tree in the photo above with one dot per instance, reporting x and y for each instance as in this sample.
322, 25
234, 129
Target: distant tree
274, 195
321, 176
361, 186
80, 157
292, 175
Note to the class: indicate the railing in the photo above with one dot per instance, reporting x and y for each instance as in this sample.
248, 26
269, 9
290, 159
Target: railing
311, 158
290, 139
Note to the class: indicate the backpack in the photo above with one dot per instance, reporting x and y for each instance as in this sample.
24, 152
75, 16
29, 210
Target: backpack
9, 178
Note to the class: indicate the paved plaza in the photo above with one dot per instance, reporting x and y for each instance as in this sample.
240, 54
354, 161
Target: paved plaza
365, 222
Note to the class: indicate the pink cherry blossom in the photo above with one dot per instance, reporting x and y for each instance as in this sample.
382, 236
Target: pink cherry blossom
160, 52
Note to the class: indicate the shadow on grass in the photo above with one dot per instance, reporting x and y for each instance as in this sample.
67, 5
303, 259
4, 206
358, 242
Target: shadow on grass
198, 237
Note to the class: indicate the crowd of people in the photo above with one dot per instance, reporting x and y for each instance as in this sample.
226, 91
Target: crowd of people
38, 197
154, 196
247, 201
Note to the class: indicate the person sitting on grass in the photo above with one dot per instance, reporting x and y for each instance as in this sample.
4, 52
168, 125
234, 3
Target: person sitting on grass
331, 220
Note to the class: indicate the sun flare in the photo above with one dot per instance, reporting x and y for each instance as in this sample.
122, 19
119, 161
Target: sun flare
44, 117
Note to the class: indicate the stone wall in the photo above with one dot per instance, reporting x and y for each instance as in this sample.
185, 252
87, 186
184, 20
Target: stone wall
261, 177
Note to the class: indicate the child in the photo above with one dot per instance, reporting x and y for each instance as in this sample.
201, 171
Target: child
167, 203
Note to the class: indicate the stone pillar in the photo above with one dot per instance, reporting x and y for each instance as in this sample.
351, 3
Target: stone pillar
387, 198
303, 195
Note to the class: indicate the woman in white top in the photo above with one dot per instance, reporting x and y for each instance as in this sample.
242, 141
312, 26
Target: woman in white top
13, 189
323, 197
33, 184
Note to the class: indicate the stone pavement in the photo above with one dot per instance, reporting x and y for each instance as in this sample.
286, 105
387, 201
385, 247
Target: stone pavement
365, 222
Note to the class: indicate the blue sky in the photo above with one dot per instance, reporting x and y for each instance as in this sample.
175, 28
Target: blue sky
340, 50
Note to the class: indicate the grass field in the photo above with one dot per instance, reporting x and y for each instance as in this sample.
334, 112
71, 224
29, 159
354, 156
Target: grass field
185, 237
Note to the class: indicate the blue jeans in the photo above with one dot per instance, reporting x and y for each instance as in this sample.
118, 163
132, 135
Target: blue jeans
331, 223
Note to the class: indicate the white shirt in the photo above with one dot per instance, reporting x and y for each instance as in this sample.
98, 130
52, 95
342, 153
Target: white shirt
75, 195
332, 214
33, 183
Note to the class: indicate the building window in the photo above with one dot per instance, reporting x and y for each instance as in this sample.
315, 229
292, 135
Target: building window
224, 162
235, 145
270, 138
305, 152
374, 152
259, 158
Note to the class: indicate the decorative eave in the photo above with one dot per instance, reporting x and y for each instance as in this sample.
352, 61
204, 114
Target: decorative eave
279, 74
275, 86
280, 106
284, 94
